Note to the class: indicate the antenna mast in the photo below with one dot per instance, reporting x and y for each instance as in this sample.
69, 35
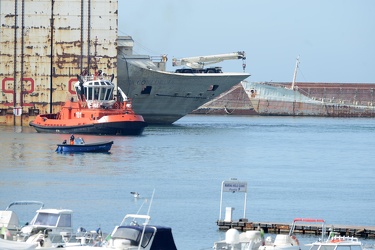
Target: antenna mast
295, 72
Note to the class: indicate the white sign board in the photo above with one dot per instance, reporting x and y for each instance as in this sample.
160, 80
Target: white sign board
234, 186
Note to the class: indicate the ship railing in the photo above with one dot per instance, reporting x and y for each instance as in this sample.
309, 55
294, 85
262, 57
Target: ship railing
343, 238
96, 77
162, 58
325, 100
333, 100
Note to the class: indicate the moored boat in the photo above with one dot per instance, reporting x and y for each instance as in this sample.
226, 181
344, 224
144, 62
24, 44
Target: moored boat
144, 235
135, 232
311, 99
9, 221
289, 241
93, 111
78, 145
49, 228
234, 240
163, 97
337, 243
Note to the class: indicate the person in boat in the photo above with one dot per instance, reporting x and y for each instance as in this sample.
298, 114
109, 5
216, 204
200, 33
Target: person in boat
64, 142
72, 139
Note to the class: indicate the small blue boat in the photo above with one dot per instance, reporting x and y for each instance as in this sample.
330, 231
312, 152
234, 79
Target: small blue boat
78, 145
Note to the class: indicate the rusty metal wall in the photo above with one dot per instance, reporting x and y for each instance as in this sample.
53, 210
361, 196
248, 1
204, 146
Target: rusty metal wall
79, 34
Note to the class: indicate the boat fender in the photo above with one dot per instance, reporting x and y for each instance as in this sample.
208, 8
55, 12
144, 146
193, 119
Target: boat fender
335, 240
295, 239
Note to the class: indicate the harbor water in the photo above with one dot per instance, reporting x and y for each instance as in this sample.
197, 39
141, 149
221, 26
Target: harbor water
294, 167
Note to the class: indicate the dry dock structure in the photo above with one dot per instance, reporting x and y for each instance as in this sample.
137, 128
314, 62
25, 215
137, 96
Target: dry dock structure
44, 45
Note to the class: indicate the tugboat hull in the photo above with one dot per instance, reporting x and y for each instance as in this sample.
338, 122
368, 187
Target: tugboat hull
113, 128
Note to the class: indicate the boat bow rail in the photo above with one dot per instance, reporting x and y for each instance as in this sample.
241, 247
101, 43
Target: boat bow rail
25, 203
302, 222
9, 219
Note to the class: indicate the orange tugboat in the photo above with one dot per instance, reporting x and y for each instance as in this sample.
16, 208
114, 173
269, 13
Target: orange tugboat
93, 111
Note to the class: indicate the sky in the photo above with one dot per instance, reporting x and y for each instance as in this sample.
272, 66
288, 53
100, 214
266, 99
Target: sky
334, 39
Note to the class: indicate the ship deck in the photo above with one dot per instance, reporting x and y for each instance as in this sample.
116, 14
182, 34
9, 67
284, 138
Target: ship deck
237, 102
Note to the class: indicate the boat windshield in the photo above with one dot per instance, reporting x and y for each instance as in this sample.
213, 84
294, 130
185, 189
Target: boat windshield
53, 220
133, 235
79, 140
98, 90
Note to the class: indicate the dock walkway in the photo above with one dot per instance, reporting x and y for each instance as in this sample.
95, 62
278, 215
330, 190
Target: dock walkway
275, 227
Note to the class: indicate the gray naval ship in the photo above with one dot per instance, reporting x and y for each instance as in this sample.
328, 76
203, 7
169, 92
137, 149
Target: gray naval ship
163, 97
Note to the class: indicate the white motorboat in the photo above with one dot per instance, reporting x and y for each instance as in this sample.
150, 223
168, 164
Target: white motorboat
234, 240
56, 222
50, 228
337, 243
289, 241
281, 242
9, 220
135, 235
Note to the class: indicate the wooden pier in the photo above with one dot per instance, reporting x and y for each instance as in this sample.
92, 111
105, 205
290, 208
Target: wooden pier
275, 227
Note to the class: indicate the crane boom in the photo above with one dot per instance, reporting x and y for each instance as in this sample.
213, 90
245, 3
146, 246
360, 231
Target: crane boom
199, 62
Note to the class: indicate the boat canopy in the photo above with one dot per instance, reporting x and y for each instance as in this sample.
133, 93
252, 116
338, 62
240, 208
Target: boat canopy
162, 236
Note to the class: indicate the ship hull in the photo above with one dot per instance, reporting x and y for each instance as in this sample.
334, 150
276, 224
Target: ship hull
273, 99
83, 148
113, 128
73, 118
233, 102
163, 97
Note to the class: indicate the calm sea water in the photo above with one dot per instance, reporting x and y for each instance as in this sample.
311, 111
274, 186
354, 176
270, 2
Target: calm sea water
295, 167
